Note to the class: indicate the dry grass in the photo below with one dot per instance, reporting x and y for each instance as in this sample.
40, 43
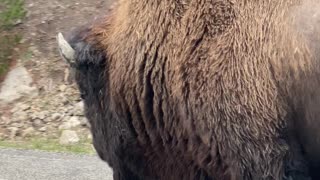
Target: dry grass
83, 147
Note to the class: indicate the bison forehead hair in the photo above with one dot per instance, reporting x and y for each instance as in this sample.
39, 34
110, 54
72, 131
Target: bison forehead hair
193, 89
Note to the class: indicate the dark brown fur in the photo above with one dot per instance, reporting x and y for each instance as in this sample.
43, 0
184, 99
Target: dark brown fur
204, 89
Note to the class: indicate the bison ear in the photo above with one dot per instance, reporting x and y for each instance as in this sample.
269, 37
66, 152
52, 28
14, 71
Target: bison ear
65, 49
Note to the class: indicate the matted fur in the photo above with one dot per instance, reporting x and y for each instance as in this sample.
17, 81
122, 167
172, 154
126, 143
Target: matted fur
204, 89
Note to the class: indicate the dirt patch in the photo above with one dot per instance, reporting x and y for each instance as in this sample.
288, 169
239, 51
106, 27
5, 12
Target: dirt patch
44, 20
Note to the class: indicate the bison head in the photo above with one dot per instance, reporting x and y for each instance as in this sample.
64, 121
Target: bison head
78, 51
85, 59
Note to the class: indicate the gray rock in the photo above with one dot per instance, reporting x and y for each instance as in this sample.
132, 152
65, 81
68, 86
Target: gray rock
89, 136
64, 100
84, 122
13, 132
18, 125
78, 111
43, 129
16, 85
41, 115
25, 107
20, 116
28, 132
2, 136
5, 120
2, 122
37, 133
37, 123
56, 116
62, 88
15, 109
20, 107
68, 137
71, 123
70, 113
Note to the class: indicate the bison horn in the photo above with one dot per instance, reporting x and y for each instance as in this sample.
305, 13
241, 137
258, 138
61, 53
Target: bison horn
66, 51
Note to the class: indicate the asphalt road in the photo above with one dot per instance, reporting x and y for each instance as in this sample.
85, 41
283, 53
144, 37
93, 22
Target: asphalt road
38, 165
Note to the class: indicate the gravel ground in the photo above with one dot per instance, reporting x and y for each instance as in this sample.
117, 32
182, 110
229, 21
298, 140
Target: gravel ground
38, 165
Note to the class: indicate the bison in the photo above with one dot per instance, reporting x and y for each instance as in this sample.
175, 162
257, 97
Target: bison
202, 89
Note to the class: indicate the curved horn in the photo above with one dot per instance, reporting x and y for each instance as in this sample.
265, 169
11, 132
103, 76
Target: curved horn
65, 49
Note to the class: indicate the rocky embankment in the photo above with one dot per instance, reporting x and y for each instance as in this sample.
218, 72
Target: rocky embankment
57, 114
38, 97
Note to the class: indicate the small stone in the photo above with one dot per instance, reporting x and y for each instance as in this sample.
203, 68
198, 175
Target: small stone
43, 129
22, 116
2, 122
13, 132
84, 122
18, 125
71, 123
47, 120
20, 107
28, 132
2, 136
65, 110
33, 116
68, 137
70, 113
42, 115
5, 120
24, 107
62, 88
17, 84
65, 100
79, 108
56, 116
14, 109
63, 127
90, 136
37, 123
74, 120
5, 136
37, 133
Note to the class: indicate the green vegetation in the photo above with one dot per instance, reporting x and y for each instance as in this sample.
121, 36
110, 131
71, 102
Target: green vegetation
11, 12
83, 147
8, 43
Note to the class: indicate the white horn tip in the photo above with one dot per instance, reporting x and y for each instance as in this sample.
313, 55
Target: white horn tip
65, 49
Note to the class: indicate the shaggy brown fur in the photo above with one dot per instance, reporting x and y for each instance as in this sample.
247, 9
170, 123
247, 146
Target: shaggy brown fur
205, 89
